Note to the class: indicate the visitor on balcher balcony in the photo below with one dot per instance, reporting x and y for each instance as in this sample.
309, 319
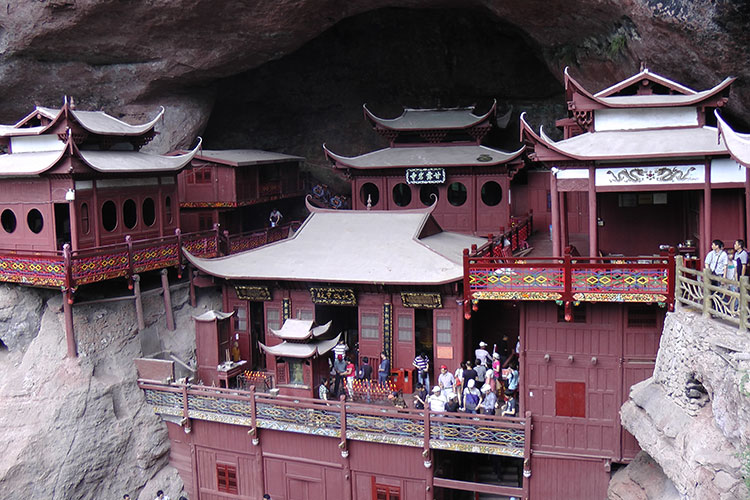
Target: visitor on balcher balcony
422, 364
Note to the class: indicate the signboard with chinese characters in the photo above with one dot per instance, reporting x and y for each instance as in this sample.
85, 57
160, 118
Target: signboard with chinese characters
333, 296
421, 300
255, 293
427, 175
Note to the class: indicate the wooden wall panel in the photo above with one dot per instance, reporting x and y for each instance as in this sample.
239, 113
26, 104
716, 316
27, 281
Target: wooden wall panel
551, 479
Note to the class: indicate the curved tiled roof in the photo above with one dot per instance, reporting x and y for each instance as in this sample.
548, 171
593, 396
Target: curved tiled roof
431, 119
135, 161
737, 144
426, 156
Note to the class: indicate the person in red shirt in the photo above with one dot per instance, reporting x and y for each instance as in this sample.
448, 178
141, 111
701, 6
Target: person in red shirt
350, 374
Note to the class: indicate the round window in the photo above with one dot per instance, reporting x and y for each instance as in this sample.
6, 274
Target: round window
8, 220
35, 221
457, 194
426, 194
129, 214
148, 211
492, 193
109, 215
401, 194
369, 191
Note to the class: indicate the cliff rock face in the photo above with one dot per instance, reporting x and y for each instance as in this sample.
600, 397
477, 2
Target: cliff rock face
80, 428
693, 415
129, 57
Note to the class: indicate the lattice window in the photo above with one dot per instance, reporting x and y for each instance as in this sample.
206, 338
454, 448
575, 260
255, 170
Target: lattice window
570, 399
239, 320
385, 491
443, 330
405, 328
199, 175
226, 478
273, 318
85, 225
369, 325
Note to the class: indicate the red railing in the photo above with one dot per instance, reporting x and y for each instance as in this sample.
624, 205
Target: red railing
68, 269
507, 242
568, 279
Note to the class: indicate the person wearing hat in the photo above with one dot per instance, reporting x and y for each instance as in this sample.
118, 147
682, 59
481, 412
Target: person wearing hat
472, 398
482, 354
436, 400
497, 370
489, 400
447, 382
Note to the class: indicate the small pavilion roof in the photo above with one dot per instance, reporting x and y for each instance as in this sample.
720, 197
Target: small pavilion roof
431, 119
99, 122
212, 315
127, 162
300, 329
352, 246
244, 157
299, 350
632, 144
737, 144
425, 156
684, 97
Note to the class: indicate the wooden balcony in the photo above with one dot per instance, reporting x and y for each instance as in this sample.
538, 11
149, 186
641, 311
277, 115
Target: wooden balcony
567, 280
344, 421
69, 269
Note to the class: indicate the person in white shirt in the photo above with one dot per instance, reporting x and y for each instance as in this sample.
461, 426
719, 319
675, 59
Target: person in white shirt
482, 354
716, 260
436, 400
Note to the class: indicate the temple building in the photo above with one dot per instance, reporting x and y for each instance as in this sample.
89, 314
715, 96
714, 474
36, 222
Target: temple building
435, 154
238, 189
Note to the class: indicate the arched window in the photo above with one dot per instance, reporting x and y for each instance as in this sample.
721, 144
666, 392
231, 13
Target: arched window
168, 209
8, 220
369, 191
85, 226
109, 215
401, 194
129, 214
35, 221
492, 193
457, 194
426, 192
148, 212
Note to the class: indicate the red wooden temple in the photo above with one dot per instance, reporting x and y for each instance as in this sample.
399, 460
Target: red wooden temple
630, 184
435, 153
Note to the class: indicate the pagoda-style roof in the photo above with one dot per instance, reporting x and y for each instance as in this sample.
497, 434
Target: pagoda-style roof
737, 144
350, 246
627, 144
213, 315
299, 350
431, 119
425, 156
300, 329
621, 94
110, 162
244, 157
94, 122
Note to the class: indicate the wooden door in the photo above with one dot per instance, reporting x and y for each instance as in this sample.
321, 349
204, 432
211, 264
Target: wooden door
403, 338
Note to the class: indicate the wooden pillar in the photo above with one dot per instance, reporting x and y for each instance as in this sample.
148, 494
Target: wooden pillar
747, 204
167, 299
593, 227
73, 217
138, 302
347, 468
95, 215
258, 481
70, 336
427, 455
706, 244
564, 236
555, 202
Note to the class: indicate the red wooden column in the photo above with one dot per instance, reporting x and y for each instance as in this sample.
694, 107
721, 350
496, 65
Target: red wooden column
564, 236
555, 201
593, 228
747, 204
70, 335
709, 237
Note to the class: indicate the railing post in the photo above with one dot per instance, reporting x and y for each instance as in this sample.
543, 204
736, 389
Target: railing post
744, 284
706, 292
427, 433
178, 233
527, 455
253, 418
678, 266
567, 278
227, 244
342, 442
129, 244
185, 410
217, 238
671, 273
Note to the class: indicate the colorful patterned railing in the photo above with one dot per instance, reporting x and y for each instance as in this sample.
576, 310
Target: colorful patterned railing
569, 279
69, 269
507, 242
345, 421
713, 295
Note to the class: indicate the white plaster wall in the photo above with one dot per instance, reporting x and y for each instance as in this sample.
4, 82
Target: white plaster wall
642, 118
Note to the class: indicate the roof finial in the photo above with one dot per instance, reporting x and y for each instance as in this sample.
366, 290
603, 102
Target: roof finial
369, 202
72, 103
643, 66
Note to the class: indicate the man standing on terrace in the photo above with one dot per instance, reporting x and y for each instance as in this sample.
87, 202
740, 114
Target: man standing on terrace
716, 260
